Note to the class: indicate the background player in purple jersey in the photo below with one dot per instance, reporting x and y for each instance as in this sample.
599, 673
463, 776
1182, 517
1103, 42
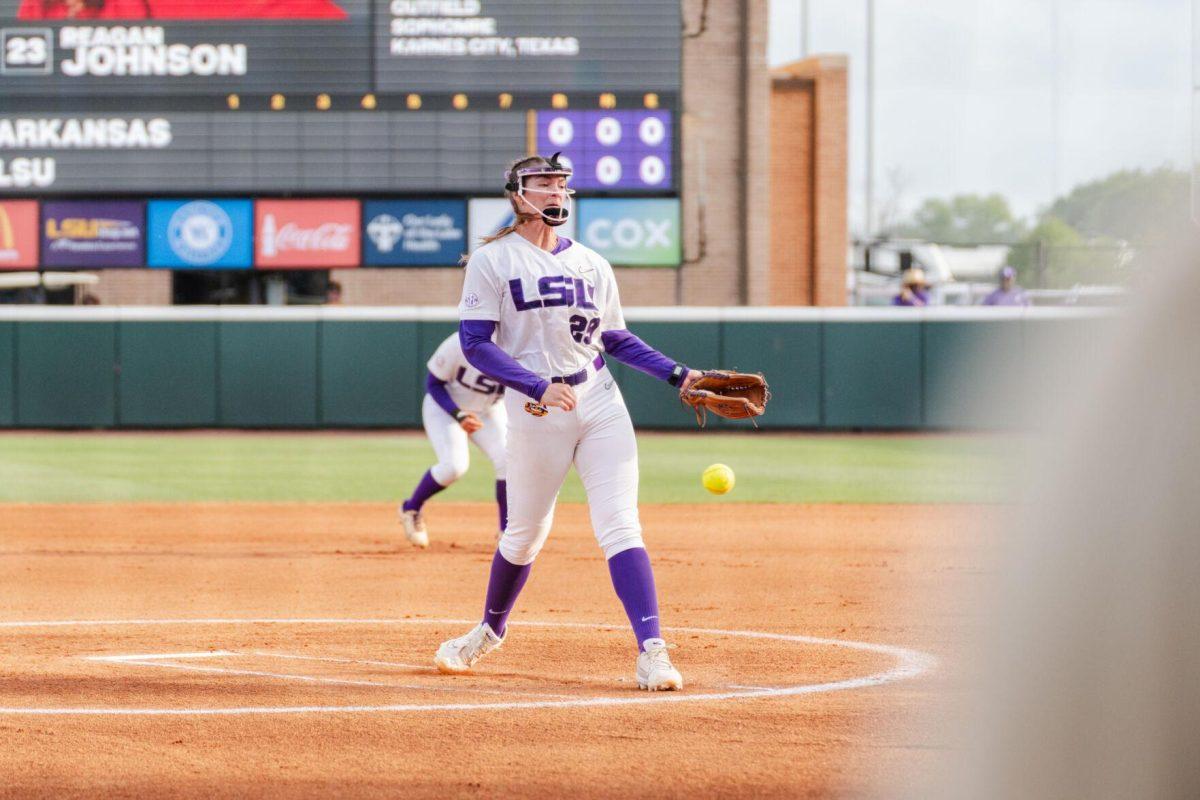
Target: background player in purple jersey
554, 310
460, 403
1007, 293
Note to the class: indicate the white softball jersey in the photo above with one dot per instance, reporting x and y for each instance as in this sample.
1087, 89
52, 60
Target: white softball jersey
469, 388
551, 310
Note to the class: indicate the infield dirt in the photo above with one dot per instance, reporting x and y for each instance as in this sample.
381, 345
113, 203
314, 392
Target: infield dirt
883, 574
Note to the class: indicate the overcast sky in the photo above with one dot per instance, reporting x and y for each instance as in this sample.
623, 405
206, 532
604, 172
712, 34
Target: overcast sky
965, 91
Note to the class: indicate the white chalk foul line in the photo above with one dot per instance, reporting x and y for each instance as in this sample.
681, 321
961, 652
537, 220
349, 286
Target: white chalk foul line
332, 660
909, 664
136, 657
164, 661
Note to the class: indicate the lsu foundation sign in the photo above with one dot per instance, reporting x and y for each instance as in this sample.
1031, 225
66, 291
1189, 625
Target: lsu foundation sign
18, 234
200, 234
634, 233
87, 235
306, 234
414, 233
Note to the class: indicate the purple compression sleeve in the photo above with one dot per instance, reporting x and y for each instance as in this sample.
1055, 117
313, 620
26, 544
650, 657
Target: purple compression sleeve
436, 389
475, 336
632, 351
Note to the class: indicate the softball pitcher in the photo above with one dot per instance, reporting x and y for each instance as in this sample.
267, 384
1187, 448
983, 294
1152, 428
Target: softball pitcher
460, 403
553, 307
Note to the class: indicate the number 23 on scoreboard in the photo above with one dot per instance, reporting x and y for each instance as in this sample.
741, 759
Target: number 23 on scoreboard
25, 51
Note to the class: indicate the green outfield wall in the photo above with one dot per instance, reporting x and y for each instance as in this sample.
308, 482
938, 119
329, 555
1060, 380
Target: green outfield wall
879, 369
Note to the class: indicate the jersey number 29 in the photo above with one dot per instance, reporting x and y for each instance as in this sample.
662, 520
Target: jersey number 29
582, 328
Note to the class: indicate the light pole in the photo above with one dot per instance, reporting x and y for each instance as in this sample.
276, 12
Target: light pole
869, 221
1055, 97
804, 38
1196, 111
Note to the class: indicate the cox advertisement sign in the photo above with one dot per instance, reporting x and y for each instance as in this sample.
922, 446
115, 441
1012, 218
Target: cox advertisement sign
200, 234
309, 234
414, 233
489, 214
18, 234
84, 234
633, 233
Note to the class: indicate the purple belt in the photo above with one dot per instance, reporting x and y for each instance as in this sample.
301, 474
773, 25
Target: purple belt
582, 375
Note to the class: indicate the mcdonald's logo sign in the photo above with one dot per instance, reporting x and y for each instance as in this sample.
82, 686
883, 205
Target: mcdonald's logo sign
18, 234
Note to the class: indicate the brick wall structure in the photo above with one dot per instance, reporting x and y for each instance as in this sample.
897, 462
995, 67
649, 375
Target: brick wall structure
808, 182
132, 287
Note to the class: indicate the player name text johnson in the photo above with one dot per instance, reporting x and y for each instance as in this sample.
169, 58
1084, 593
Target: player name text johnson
144, 51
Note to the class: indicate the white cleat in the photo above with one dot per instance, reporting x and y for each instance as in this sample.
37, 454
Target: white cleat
654, 669
414, 527
459, 655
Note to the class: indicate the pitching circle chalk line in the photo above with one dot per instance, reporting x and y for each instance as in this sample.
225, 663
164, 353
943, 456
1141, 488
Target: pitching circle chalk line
909, 664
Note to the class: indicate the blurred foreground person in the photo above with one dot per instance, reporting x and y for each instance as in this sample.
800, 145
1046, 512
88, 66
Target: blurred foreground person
1089, 683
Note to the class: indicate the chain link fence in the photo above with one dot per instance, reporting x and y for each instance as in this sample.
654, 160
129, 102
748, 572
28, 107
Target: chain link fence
1042, 266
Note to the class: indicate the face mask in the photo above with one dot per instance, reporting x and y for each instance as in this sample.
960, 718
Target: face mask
555, 215
515, 182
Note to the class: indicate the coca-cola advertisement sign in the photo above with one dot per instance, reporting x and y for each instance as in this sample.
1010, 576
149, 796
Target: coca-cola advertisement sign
306, 234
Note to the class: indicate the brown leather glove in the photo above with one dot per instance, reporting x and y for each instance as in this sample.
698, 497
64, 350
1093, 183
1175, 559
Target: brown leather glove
733, 395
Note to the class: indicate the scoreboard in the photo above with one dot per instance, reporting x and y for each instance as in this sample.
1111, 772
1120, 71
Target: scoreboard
333, 96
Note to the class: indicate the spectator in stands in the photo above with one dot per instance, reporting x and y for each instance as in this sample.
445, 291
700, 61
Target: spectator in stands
333, 294
1007, 293
913, 289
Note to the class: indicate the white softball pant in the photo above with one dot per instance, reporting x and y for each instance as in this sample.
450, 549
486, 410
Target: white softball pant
597, 437
449, 440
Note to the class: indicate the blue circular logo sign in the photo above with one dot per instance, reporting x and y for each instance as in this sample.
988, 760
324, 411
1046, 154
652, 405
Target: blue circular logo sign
200, 232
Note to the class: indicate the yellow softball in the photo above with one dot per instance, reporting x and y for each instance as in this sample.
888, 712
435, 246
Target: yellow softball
718, 479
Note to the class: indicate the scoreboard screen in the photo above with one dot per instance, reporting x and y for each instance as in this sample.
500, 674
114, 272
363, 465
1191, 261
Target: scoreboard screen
131, 96
611, 149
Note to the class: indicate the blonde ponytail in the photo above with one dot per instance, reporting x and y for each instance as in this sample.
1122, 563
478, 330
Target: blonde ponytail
500, 234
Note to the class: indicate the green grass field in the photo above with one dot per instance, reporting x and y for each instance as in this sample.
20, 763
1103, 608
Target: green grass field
368, 467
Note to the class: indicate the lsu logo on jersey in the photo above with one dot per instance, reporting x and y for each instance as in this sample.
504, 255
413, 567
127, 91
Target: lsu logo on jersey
537, 409
554, 290
483, 384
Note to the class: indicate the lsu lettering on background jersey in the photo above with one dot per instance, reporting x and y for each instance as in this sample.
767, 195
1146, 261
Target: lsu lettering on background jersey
551, 308
469, 388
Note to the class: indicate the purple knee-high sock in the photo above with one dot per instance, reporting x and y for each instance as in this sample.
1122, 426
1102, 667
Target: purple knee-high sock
506, 581
502, 502
634, 581
426, 489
